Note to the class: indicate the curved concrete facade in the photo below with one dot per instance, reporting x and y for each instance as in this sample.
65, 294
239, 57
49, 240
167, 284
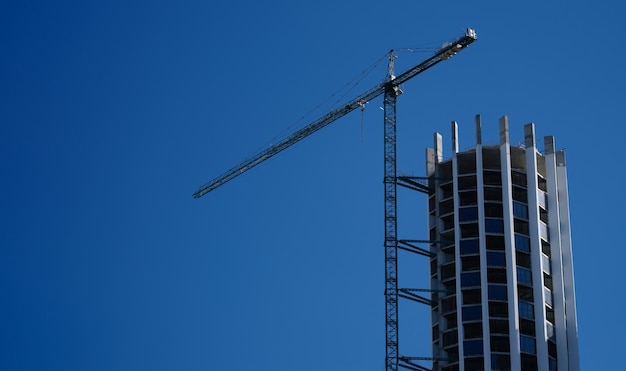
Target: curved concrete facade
502, 268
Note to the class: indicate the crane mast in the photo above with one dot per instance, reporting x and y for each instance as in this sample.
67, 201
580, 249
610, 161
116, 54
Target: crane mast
390, 90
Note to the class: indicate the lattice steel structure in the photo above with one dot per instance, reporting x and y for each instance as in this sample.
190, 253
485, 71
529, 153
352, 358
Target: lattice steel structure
391, 90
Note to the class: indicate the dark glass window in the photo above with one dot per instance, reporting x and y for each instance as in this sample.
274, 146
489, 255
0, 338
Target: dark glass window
492, 178
497, 292
450, 338
472, 347
491, 158
467, 182
500, 361
524, 293
469, 247
524, 276
466, 163
470, 279
448, 304
474, 363
470, 263
499, 326
526, 310
529, 362
448, 222
542, 184
446, 207
448, 271
520, 210
527, 344
518, 178
468, 198
500, 344
545, 248
520, 194
496, 275
469, 230
498, 309
493, 210
493, 194
543, 215
522, 259
522, 243
547, 280
550, 315
468, 214
471, 313
527, 327
552, 364
471, 296
473, 330
494, 226
552, 348
521, 226
496, 259
451, 319
495, 243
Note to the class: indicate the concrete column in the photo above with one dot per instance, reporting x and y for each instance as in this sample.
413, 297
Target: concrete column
455, 137
554, 228
438, 148
430, 161
478, 126
480, 186
535, 246
457, 253
509, 235
568, 263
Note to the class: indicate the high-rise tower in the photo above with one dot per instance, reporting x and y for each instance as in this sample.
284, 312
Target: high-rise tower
502, 274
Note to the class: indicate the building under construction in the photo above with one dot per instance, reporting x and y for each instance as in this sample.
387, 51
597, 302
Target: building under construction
501, 256
500, 249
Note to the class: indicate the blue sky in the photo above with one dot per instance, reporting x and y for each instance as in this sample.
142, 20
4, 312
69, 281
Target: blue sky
113, 113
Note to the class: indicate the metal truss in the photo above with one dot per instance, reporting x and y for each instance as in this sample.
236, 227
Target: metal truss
391, 231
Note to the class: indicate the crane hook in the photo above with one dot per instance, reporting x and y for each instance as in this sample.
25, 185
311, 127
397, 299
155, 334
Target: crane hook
362, 104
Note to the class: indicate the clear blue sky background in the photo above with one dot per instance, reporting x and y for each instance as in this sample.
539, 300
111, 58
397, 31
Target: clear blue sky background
113, 113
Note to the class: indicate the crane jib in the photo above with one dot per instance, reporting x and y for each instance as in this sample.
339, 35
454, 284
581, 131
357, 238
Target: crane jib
446, 52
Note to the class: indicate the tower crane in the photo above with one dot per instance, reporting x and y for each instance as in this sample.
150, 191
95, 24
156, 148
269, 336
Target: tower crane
390, 88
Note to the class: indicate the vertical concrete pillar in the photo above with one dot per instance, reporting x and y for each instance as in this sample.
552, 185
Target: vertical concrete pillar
535, 246
430, 161
478, 126
504, 130
554, 229
457, 259
509, 233
482, 240
455, 137
438, 148
568, 264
